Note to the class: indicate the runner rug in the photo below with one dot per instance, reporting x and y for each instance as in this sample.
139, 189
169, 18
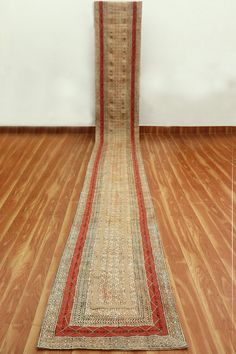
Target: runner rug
112, 289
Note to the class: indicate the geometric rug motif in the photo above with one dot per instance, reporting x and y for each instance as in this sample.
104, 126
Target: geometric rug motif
112, 289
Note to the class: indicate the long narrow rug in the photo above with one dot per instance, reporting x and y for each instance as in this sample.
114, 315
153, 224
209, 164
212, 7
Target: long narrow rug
112, 289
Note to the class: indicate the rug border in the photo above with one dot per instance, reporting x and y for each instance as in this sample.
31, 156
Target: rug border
175, 340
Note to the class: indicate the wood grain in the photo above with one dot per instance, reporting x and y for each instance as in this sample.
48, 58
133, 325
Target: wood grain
193, 185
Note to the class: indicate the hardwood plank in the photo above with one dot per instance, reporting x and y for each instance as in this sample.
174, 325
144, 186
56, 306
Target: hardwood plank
35, 281
188, 303
8, 144
13, 169
51, 271
190, 252
43, 175
201, 242
196, 196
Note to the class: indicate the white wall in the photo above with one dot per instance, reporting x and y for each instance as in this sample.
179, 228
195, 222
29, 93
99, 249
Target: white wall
188, 74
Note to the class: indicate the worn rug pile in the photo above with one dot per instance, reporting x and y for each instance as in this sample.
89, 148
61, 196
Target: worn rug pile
112, 289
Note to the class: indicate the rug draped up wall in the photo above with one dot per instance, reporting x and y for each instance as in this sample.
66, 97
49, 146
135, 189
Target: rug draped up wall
112, 289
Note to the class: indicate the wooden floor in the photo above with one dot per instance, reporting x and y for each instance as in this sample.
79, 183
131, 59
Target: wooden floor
191, 182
